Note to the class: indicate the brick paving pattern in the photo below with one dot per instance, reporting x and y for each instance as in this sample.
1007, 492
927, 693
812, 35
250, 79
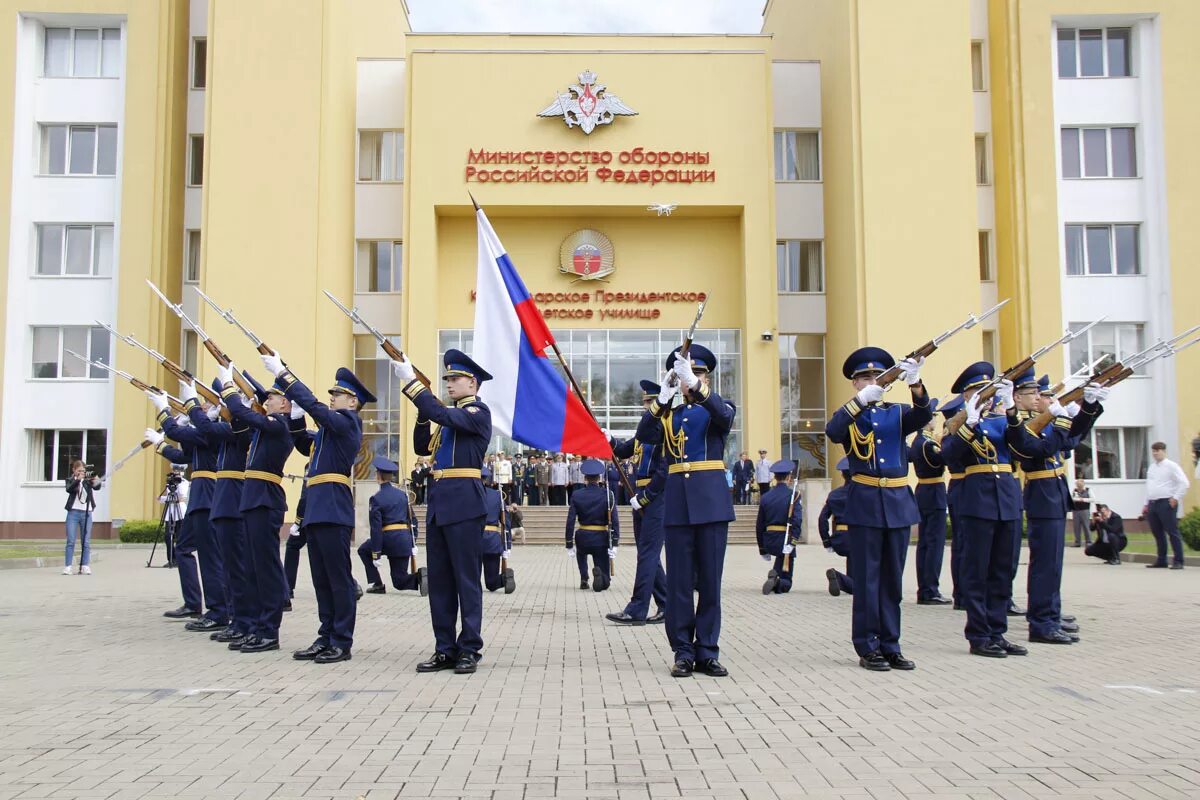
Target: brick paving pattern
100, 697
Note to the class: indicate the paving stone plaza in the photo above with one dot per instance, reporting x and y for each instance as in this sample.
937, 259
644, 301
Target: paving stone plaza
103, 698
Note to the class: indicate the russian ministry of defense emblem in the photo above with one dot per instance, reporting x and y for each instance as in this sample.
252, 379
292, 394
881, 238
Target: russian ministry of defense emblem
587, 104
586, 255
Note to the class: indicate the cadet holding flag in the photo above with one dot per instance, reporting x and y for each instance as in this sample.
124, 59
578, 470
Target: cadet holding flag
779, 516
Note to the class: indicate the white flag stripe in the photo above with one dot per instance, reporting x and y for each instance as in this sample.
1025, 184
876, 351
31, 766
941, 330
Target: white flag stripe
497, 330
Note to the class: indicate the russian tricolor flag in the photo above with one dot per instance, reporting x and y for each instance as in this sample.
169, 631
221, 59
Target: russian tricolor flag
529, 400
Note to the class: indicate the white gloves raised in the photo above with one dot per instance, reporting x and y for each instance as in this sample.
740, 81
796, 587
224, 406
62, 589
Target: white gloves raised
212, 413
296, 412
403, 369
152, 436
1004, 394
910, 370
1057, 409
274, 364
683, 371
294, 530
159, 401
872, 393
766, 557
1095, 393
665, 393
225, 374
975, 409
187, 391
633, 502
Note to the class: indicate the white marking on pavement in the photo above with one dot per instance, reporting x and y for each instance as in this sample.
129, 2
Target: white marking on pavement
1145, 689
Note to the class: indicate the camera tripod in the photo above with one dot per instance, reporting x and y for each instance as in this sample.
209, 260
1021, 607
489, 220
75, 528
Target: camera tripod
168, 524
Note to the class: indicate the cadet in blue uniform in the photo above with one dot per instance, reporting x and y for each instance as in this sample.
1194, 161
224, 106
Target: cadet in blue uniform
1047, 500
772, 528
456, 510
697, 506
948, 410
263, 505
197, 533
880, 508
393, 534
329, 505
837, 540
925, 454
497, 541
593, 509
649, 478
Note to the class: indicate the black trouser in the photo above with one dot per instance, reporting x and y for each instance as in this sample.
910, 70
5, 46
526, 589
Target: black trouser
291, 559
329, 562
1164, 524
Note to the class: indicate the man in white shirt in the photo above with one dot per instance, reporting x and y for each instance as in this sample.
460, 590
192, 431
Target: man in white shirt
762, 473
1166, 485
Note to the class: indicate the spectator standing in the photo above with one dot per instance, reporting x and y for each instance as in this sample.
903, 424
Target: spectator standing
543, 478
1166, 486
533, 494
80, 505
762, 473
574, 474
1080, 505
418, 476
560, 475
504, 477
743, 476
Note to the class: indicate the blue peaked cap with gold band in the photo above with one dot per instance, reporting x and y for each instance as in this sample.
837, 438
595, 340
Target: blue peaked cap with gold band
951, 406
701, 357
459, 363
346, 382
385, 465
1026, 380
975, 376
260, 391
867, 359
1044, 385
217, 386
592, 467
650, 389
782, 467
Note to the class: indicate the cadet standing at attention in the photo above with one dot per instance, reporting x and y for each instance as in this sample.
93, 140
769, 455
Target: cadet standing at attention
778, 521
925, 454
393, 534
594, 509
496, 540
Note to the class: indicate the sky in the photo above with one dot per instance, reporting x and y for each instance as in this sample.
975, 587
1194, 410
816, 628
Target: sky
586, 16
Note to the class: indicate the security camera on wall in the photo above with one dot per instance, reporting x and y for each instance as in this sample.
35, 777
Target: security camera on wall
767, 336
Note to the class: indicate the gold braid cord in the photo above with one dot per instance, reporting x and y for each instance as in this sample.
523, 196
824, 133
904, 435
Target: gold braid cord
862, 446
672, 442
435, 441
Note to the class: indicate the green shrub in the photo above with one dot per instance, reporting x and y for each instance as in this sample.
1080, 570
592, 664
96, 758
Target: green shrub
1189, 528
137, 531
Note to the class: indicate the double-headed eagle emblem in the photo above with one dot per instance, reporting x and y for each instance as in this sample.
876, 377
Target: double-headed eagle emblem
587, 104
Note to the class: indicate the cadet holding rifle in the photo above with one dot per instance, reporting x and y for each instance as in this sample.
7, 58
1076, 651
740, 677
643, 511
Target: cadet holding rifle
777, 525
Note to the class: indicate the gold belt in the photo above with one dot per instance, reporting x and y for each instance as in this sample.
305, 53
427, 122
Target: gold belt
593, 527
841, 527
457, 472
492, 528
696, 466
269, 477
396, 526
929, 481
1045, 473
328, 477
957, 476
642, 482
203, 473
882, 483
777, 527
230, 475
996, 468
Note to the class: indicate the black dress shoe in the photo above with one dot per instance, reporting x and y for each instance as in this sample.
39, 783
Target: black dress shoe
423, 581
205, 625
1113, 562
1054, 637
510, 581
236, 644
376, 588
1015, 610
835, 588
465, 665
989, 650
621, 618
1012, 649
600, 581
1066, 618
771, 582
436, 663
934, 601
583, 583
311, 652
657, 618
710, 666
1156, 566
875, 662
287, 605
683, 668
332, 655
898, 661
1074, 637
260, 646
358, 592
180, 613
226, 635
1177, 566
1068, 627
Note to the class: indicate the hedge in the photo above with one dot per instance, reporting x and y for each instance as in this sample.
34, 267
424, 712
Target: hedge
1189, 528
135, 531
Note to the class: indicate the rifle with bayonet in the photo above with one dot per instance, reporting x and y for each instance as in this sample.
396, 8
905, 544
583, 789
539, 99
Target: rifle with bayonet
891, 374
389, 349
216, 352
227, 315
179, 372
1085, 370
137, 449
684, 349
788, 538
141, 385
1018, 369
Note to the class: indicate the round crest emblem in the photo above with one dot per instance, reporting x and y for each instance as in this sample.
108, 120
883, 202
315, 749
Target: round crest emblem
587, 255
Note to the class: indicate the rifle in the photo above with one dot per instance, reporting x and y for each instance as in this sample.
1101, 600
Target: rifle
787, 537
174, 403
612, 562
179, 372
227, 315
504, 540
891, 374
412, 532
216, 352
392, 352
1086, 369
684, 349
137, 449
1015, 371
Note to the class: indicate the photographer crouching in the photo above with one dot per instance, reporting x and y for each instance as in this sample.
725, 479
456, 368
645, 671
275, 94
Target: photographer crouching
81, 502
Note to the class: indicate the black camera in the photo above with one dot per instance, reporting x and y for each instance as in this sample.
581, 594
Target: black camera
173, 481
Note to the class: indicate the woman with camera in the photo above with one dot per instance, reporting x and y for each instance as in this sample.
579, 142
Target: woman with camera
80, 505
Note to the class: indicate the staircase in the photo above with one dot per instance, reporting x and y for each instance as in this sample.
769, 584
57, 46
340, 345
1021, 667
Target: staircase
546, 525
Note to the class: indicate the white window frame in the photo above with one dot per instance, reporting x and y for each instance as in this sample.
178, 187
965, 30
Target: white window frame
71, 52
192, 65
986, 165
31, 454
983, 64
1091, 347
820, 270
1108, 154
1122, 455
815, 415
93, 257
994, 355
94, 374
397, 269
43, 131
187, 254
985, 252
779, 168
191, 159
1079, 76
397, 159
1112, 249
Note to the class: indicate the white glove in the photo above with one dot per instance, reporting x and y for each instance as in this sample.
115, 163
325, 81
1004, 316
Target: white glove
403, 369
871, 393
416, 550
788, 549
570, 552
910, 370
683, 371
612, 553
212, 413
506, 555
376, 558
152, 436
1004, 394
273, 364
975, 409
294, 530
766, 557
1056, 408
1094, 393
1073, 409
633, 502
297, 412
665, 393
159, 401
182, 420
828, 549
187, 391
225, 374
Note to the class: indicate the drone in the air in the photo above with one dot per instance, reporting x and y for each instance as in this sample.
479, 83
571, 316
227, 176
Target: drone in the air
662, 209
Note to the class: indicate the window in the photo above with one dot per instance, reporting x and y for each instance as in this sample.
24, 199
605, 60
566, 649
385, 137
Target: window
977, 67
797, 156
196, 161
982, 172
985, 256
82, 53
79, 150
74, 250
378, 266
1102, 152
382, 433
1111, 340
802, 402
1103, 250
51, 453
1113, 454
52, 361
192, 267
1095, 52
189, 347
381, 155
199, 63
991, 347
798, 266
